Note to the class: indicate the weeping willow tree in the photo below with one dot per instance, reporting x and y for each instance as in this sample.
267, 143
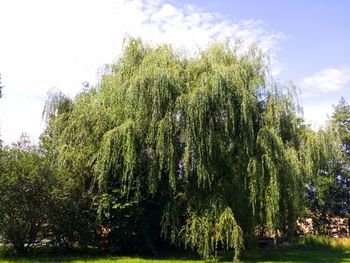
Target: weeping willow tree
220, 143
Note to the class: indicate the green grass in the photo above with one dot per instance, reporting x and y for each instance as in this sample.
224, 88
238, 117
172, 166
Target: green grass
303, 254
300, 254
308, 250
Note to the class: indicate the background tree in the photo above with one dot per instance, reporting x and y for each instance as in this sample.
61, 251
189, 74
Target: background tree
328, 194
339, 190
321, 203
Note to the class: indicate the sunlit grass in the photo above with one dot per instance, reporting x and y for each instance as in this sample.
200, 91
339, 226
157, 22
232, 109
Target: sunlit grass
343, 243
322, 241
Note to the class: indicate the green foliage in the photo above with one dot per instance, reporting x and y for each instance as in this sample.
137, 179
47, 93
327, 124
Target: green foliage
25, 184
340, 189
341, 118
205, 232
72, 219
219, 145
37, 201
328, 193
73, 216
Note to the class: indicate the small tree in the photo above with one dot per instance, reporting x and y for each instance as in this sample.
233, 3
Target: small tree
24, 194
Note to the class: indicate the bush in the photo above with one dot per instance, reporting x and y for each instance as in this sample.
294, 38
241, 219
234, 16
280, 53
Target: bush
24, 195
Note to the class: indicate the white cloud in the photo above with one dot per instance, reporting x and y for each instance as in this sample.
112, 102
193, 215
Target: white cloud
325, 85
325, 81
317, 115
62, 43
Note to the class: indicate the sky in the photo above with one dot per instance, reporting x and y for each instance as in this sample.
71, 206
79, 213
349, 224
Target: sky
50, 45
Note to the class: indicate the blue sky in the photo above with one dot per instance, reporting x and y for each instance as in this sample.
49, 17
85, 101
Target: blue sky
59, 44
317, 40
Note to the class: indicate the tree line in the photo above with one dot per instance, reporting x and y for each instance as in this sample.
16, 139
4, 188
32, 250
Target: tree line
168, 150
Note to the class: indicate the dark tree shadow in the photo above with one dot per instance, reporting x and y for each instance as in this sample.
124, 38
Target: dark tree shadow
297, 254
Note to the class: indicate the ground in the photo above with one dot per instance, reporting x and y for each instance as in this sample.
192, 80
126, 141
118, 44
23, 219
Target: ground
310, 249
302, 254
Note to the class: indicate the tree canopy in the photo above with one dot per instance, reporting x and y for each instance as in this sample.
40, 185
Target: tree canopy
212, 140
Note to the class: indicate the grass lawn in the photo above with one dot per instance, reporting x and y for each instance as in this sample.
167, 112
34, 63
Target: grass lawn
311, 249
301, 254
296, 254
